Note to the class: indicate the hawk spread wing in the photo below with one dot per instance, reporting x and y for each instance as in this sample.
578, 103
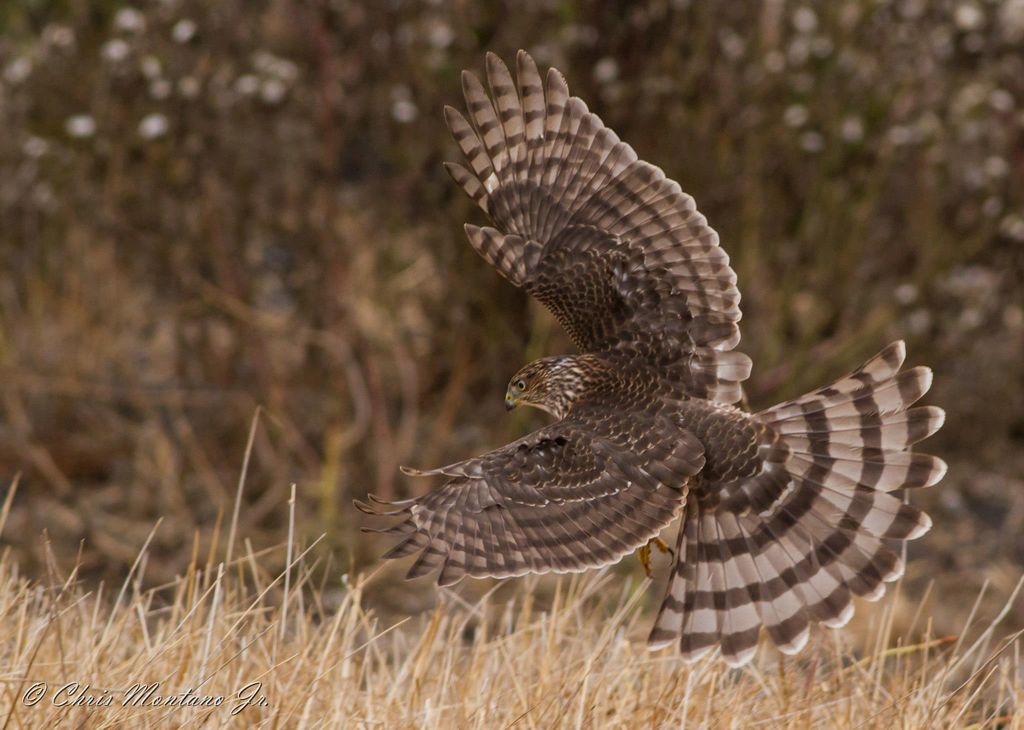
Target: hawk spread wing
578, 494
785, 513
611, 246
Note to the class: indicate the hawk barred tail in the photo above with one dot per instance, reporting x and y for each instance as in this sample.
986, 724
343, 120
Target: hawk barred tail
814, 537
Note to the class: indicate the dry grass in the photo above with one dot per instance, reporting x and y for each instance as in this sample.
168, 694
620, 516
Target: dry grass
861, 162
311, 655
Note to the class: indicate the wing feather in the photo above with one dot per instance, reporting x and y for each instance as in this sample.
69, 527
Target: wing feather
580, 493
544, 167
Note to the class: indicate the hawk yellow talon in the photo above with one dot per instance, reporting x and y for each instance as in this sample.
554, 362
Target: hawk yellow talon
644, 553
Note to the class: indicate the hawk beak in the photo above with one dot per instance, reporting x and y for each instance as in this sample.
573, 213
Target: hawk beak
510, 403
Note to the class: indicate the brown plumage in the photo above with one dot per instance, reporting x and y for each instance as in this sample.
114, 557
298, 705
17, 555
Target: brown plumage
784, 512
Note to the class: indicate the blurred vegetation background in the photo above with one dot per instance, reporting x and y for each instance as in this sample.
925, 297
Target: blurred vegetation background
206, 207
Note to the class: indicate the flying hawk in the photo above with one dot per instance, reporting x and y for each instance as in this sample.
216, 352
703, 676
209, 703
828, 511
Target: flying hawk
784, 512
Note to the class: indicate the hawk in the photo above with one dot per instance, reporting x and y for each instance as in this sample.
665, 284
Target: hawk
785, 513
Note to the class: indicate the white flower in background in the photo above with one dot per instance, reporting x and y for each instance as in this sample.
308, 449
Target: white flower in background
440, 35
971, 281
272, 91
812, 142
35, 147
43, 196
798, 50
968, 17
796, 115
606, 70
733, 46
271, 65
404, 111
115, 50
160, 89
971, 318
129, 20
151, 67
805, 20
919, 321
899, 135
774, 62
184, 30
996, 167
905, 293
153, 126
973, 177
189, 87
247, 84
80, 126
1001, 100
18, 70
852, 129
1012, 226
59, 36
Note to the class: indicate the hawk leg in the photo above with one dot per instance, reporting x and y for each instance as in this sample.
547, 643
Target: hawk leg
644, 553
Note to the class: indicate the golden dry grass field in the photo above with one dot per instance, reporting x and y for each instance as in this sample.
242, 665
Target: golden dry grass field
210, 210
229, 644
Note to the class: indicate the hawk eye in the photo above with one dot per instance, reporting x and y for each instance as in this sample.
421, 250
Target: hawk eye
520, 385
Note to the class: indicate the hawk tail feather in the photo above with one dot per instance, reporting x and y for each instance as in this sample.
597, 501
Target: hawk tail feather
801, 552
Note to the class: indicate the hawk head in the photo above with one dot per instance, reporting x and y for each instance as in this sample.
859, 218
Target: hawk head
552, 384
